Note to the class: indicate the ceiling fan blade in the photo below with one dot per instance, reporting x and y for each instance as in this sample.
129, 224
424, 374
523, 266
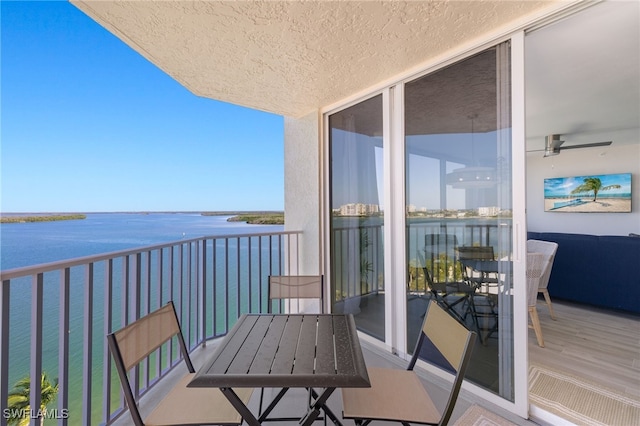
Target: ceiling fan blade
587, 145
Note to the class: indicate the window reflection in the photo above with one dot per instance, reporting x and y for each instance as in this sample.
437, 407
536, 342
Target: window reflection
458, 213
357, 274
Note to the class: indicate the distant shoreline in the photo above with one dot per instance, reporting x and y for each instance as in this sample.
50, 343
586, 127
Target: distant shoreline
202, 212
263, 217
41, 218
259, 218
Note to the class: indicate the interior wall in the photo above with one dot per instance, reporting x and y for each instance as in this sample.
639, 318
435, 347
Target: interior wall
617, 158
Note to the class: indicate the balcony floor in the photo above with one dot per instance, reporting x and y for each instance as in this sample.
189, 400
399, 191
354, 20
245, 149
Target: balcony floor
580, 342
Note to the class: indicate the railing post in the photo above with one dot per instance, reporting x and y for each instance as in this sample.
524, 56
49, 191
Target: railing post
87, 346
63, 345
35, 385
214, 299
4, 347
171, 290
135, 305
203, 292
106, 361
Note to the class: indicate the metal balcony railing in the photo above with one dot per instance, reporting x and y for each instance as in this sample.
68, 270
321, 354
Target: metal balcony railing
54, 317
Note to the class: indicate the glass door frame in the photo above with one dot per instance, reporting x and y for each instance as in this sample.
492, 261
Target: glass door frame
395, 257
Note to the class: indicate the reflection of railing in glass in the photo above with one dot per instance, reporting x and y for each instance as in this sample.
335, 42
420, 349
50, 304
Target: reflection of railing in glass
366, 265
358, 265
358, 251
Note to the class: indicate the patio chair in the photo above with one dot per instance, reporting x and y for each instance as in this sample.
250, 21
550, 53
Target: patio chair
536, 265
287, 288
295, 287
182, 405
440, 252
549, 248
477, 253
398, 395
485, 300
451, 295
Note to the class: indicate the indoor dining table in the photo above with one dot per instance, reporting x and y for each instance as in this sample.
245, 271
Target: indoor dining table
312, 351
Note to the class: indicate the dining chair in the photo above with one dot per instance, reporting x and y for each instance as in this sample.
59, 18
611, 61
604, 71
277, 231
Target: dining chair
549, 248
536, 265
486, 296
182, 405
398, 395
289, 288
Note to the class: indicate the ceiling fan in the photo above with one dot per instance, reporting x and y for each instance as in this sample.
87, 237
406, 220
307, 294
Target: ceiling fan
553, 145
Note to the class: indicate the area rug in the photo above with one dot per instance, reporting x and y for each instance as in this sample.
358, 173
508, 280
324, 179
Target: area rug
478, 416
580, 401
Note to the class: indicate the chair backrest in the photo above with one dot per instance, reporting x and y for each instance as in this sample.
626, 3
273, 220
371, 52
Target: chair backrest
453, 341
537, 263
133, 343
288, 287
440, 253
475, 253
547, 248
428, 280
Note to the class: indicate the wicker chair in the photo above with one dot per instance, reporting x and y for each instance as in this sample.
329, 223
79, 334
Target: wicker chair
548, 248
536, 265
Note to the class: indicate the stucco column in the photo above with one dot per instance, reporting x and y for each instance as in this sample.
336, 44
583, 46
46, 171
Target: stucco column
302, 171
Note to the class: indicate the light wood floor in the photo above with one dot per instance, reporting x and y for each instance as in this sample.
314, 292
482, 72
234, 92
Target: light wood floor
601, 346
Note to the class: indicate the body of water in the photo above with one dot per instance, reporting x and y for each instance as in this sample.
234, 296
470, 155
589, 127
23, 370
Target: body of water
32, 243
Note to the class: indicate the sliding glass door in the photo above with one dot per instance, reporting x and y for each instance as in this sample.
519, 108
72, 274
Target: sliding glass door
453, 128
458, 220
356, 217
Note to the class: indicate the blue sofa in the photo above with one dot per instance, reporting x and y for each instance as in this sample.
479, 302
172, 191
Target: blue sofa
601, 271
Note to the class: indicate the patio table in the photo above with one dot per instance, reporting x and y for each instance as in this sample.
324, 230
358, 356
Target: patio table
284, 351
488, 266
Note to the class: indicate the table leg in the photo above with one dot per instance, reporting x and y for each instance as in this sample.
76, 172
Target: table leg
314, 410
237, 403
327, 410
272, 405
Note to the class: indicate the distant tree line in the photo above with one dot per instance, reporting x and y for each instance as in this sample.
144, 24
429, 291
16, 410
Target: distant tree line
50, 218
259, 218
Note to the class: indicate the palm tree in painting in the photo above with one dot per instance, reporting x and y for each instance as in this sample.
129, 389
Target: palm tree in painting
593, 184
18, 404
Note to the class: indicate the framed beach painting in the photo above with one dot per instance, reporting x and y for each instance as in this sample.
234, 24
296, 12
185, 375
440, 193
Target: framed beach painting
588, 194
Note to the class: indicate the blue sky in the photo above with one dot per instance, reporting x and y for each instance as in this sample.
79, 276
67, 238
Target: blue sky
90, 125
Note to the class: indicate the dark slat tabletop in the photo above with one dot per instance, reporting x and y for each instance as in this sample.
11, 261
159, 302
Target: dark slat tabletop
279, 350
488, 266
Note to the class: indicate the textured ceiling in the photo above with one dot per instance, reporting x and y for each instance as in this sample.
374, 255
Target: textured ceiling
450, 100
582, 77
292, 58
